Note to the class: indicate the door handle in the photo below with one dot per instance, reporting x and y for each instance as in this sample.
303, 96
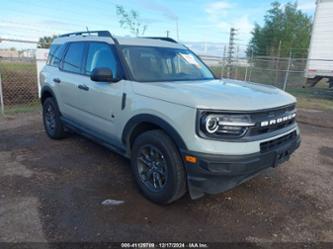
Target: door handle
56, 80
83, 87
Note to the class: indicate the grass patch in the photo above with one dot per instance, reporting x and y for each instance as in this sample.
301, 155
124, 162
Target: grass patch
318, 97
313, 92
35, 106
17, 66
313, 98
310, 103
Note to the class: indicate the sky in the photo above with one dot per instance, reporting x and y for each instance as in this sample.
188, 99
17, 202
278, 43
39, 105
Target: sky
198, 20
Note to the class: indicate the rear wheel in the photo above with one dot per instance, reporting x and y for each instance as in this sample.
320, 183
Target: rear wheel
51, 119
157, 167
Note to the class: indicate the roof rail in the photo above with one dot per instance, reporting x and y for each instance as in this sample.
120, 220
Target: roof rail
160, 38
103, 33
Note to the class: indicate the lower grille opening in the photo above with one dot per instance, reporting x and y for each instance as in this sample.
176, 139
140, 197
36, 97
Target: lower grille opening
272, 144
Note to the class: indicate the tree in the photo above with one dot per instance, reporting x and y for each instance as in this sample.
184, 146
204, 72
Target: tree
130, 20
45, 42
285, 27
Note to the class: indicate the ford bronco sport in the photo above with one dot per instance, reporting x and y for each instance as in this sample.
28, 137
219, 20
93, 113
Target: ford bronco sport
155, 102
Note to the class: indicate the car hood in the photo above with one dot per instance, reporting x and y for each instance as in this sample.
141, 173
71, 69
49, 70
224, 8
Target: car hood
216, 94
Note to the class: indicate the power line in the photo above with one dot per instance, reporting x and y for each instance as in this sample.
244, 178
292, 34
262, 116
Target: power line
17, 40
23, 26
56, 11
100, 25
74, 22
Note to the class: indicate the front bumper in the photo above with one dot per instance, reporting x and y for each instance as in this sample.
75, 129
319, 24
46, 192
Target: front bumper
218, 173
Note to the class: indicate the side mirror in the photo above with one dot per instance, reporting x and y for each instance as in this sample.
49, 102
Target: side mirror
102, 75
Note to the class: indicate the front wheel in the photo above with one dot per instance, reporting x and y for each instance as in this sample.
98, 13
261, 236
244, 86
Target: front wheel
157, 167
51, 119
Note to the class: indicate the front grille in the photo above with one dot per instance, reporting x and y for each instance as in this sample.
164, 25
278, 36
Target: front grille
275, 143
271, 115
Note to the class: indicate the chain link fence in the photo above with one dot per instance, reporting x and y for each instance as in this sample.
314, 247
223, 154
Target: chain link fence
280, 72
287, 73
18, 85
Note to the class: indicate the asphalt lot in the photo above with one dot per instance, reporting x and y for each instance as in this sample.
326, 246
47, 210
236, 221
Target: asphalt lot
53, 191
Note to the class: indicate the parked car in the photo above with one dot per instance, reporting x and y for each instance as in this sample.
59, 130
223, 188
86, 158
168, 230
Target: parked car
155, 102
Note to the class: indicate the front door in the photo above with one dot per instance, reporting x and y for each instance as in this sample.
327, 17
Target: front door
103, 103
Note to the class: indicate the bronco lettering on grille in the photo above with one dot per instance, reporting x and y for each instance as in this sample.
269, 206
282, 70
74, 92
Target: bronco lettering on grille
277, 120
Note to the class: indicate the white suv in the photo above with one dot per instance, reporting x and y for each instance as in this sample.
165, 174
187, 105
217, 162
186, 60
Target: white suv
154, 101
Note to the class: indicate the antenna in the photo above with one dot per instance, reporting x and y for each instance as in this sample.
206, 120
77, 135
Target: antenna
88, 30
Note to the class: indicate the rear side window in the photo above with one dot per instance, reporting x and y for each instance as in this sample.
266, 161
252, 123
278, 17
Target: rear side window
73, 59
101, 55
55, 55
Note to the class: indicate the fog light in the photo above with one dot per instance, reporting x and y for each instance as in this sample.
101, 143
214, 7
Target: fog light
191, 159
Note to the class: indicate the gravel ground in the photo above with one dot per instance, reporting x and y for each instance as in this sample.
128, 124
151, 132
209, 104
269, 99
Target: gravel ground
52, 191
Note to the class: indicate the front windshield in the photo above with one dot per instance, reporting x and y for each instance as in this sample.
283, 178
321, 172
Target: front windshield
149, 64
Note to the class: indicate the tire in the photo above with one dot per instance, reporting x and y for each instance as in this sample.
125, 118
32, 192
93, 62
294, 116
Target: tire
171, 183
51, 119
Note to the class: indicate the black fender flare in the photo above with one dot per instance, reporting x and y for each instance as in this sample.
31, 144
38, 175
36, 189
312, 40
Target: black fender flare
155, 120
47, 89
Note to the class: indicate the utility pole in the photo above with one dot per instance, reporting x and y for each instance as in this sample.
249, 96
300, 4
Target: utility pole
277, 65
168, 33
231, 50
1, 99
205, 48
177, 29
237, 62
287, 71
223, 61
251, 62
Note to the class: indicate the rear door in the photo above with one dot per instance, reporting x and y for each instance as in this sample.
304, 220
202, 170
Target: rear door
70, 82
50, 73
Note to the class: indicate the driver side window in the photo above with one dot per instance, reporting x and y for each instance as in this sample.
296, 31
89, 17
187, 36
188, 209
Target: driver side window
101, 55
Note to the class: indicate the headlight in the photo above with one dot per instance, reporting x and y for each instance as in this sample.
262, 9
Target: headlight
224, 125
211, 124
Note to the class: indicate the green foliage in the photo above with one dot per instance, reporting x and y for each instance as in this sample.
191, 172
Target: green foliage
130, 20
45, 42
285, 27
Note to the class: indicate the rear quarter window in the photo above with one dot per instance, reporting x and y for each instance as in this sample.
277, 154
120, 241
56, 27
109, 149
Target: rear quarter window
55, 55
72, 61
